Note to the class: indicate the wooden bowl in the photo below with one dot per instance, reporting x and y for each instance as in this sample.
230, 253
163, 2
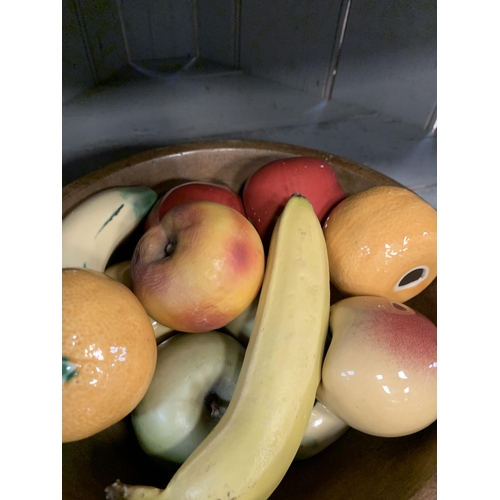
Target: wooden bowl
357, 466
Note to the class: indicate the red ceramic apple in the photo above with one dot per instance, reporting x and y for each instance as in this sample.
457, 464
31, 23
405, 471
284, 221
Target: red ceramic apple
266, 191
193, 191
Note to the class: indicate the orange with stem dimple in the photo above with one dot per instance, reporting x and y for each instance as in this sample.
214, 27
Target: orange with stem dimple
382, 242
108, 352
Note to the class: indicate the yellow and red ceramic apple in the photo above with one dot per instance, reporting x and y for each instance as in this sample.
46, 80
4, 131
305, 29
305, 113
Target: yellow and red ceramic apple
379, 374
382, 242
199, 268
193, 191
266, 192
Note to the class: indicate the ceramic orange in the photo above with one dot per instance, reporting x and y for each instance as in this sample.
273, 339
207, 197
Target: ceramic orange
108, 352
382, 242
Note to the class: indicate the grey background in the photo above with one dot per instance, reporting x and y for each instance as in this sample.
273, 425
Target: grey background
355, 78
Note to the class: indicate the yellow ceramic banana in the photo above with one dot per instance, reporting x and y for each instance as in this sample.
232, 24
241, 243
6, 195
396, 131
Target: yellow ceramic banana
248, 453
97, 226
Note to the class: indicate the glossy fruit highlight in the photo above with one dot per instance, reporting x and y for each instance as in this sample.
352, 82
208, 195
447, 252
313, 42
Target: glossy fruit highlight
108, 349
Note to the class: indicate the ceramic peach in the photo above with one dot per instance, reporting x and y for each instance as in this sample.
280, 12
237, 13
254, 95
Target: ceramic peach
380, 371
192, 191
382, 242
266, 192
199, 268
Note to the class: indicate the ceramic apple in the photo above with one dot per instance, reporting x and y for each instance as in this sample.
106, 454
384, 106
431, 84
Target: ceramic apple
241, 326
380, 371
323, 429
192, 191
266, 192
199, 268
194, 380
193, 383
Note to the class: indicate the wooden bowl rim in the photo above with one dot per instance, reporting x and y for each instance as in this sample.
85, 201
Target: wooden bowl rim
232, 144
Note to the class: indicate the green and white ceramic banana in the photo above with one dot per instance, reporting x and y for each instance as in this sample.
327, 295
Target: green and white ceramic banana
93, 230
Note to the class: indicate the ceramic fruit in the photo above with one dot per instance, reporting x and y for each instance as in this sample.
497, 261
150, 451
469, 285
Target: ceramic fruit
323, 429
194, 381
380, 370
266, 192
253, 445
382, 242
121, 272
95, 228
241, 327
192, 191
108, 352
199, 268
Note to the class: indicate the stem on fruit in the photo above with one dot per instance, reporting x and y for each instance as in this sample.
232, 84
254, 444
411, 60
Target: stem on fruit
215, 405
215, 409
69, 369
170, 248
121, 491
